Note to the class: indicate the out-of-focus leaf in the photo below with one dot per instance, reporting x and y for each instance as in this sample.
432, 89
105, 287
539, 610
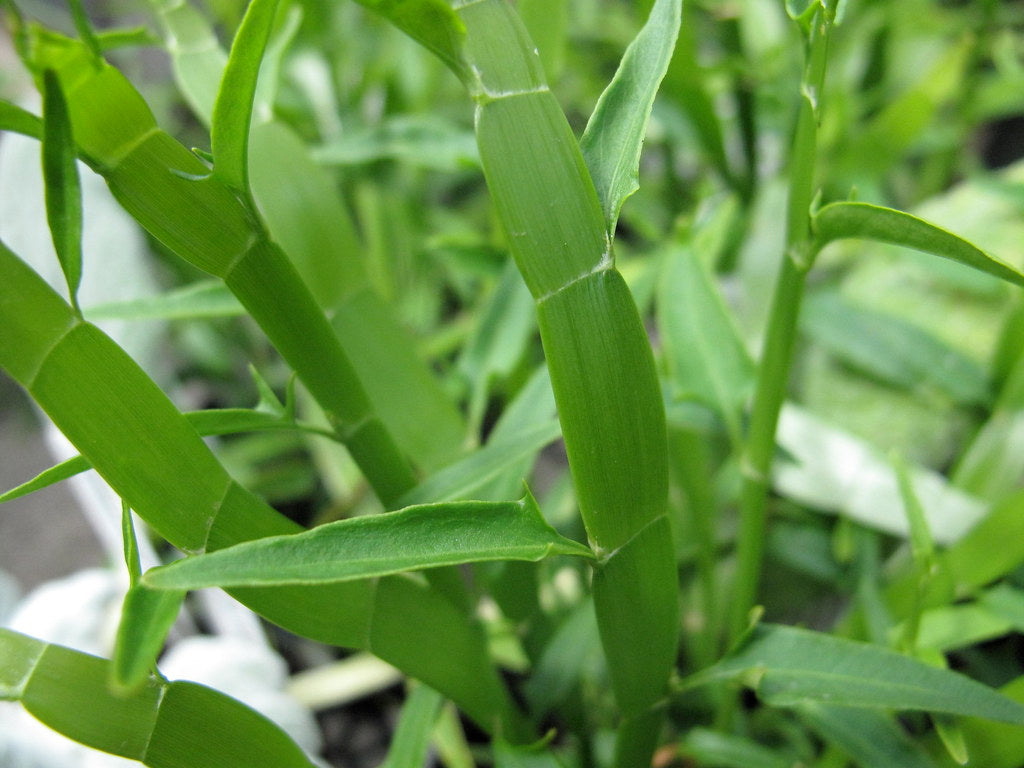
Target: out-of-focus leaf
574, 645
614, 136
458, 480
996, 745
726, 750
872, 739
433, 24
892, 349
874, 222
418, 537
63, 189
531, 756
831, 470
424, 141
232, 113
14, 118
789, 666
197, 59
411, 741
706, 358
162, 724
499, 340
203, 299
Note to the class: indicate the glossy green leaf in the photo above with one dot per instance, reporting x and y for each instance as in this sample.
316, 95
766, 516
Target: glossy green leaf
705, 356
411, 742
893, 350
614, 136
414, 538
162, 724
199, 300
789, 666
14, 118
871, 739
63, 189
232, 112
874, 222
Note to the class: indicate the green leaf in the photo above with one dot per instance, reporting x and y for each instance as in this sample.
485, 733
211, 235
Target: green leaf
69, 468
14, 118
199, 300
705, 356
461, 479
63, 190
433, 24
413, 538
162, 724
530, 756
726, 750
872, 739
132, 560
85, 30
420, 141
232, 113
893, 350
789, 666
146, 617
874, 222
614, 136
411, 742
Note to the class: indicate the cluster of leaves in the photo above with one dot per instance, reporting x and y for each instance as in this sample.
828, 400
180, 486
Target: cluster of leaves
828, 429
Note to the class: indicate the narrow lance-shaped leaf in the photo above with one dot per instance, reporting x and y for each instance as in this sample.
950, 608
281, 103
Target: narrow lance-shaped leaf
614, 136
433, 24
63, 190
788, 666
14, 118
162, 724
232, 113
872, 739
419, 537
874, 222
85, 30
411, 743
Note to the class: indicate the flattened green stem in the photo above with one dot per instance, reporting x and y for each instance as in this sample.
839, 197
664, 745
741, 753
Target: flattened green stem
154, 459
174, 196
602, 369
777, 356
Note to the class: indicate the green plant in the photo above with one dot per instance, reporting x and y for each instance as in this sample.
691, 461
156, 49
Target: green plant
259, 216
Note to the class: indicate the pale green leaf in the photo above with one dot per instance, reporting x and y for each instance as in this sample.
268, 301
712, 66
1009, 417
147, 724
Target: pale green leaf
411, 742
413, 538
892, 349
614, 136
706, 358
433, 24
63, 189
232, 113
872, 739
459, 480
864, 221
202, 299
789, 666
726, 750
422, 141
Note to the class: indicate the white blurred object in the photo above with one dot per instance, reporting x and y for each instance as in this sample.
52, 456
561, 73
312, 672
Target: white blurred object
253, 674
